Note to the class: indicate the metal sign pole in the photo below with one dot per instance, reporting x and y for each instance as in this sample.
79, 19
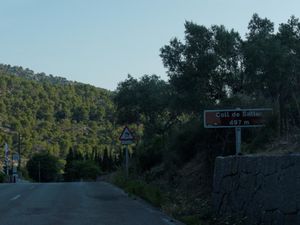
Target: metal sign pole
238, 140
39, 172
6, 158
19, 152
126, 160
126, 139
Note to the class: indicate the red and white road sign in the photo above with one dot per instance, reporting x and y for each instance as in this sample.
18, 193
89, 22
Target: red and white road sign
235, 118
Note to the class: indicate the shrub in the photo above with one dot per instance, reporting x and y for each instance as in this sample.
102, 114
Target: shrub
3, 177
82, 169
149, 153
139, 188
44, 167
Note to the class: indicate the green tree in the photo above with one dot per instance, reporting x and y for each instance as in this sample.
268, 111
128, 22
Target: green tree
80, 114
204, 69
44, 167
144, 101
272, 66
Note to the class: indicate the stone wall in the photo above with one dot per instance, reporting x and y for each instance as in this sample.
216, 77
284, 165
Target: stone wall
264, 189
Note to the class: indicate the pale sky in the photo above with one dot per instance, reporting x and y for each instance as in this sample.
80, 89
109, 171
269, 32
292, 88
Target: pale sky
99, 42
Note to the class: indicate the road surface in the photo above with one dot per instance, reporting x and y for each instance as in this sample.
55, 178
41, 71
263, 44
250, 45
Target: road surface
81, 203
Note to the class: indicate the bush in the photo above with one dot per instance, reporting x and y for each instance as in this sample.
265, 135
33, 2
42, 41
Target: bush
139, 188
80, 169
150, 153
191, 220
3, 177
186, 140
44, 167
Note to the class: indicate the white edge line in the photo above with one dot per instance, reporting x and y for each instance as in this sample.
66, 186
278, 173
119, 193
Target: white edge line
167, 221
15, 198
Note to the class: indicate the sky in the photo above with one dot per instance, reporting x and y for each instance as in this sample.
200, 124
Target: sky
100, 42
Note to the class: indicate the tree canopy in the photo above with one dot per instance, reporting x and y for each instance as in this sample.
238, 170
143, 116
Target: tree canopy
213, 67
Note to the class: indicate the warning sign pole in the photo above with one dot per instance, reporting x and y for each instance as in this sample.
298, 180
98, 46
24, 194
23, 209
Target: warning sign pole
126, 139
126, 160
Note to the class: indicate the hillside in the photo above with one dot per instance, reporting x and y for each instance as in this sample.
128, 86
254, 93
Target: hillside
29, 74
53, 114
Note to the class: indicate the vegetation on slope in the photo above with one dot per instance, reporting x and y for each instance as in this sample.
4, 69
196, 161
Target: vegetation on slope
53, 115
212, 68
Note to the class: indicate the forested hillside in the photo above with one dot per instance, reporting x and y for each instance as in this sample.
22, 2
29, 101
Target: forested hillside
31, 75
54, 115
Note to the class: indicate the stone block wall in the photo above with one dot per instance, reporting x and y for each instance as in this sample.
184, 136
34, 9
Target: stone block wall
264, 189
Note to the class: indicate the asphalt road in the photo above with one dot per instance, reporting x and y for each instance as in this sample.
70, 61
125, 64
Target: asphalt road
82, 203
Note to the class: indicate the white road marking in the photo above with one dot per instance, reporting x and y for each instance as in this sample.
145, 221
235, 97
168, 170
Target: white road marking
167, 221
15, 198
150, 210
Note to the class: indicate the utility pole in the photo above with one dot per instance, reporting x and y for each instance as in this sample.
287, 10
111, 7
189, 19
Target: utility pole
6, 150
19, 151
39, 172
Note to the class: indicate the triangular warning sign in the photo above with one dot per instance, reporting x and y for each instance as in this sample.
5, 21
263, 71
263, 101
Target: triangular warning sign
126, 135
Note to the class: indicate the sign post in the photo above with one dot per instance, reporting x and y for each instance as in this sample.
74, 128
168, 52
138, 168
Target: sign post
15, 164
236, 118
238, 140
126, 139
6, 158
126, 160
